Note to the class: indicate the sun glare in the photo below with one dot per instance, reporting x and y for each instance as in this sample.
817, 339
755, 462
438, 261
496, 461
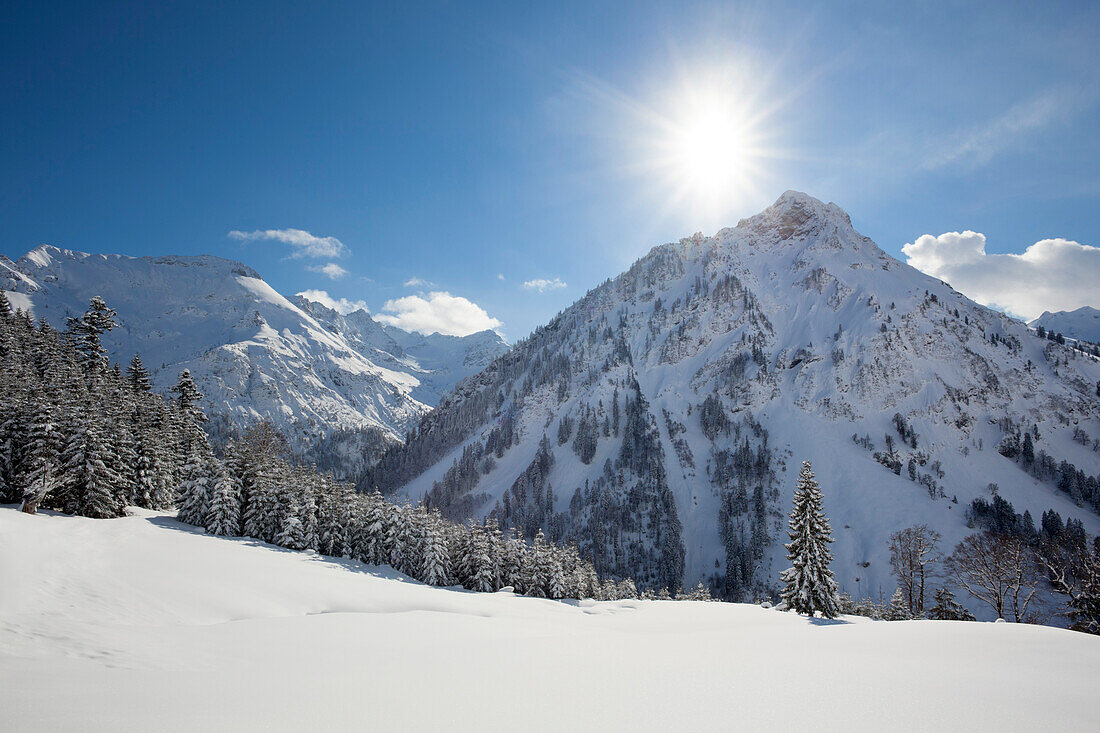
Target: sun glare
707, 147
708, 150
699, 140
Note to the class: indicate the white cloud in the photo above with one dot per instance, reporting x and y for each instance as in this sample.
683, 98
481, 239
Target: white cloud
439, 312
416, 282
302, 242
1052, 274
500, 276
542, 285
332, 270
340, 305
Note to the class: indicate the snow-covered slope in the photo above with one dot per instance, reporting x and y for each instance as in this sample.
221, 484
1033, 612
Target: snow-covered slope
252, 351
678, 399
1082, 324
142, 624
438, 361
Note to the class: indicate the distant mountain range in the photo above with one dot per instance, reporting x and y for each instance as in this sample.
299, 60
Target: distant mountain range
253, 352
1082, 324
659, 422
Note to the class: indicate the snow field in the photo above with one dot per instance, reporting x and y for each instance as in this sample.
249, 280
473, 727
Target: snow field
143, 623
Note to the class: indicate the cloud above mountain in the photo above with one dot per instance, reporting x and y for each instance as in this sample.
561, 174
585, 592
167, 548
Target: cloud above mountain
437, 312
331, 270
302, 243
543, 285
340, 305
1052, 274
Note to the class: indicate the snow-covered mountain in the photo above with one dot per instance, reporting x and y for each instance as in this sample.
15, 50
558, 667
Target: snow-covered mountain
438, 361
253, 352
1082, 324
659, 422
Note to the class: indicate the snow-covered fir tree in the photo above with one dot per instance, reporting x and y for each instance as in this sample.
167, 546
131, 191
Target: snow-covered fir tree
89, 486
947, 608
224, 516
809, 585
898, 608
41, 456
138, 375
194, 492
75, 434
436, 558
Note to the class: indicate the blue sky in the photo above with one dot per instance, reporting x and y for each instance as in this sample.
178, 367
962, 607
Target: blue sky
470, 148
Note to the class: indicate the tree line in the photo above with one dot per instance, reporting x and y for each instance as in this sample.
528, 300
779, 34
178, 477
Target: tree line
80, 436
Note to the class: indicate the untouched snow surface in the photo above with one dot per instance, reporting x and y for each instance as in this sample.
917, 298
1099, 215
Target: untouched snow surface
143, 624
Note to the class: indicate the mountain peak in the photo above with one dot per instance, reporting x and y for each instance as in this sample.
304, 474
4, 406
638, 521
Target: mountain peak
1082, 323
797, 214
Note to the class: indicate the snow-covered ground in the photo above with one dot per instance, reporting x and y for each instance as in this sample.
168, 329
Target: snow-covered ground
143, 623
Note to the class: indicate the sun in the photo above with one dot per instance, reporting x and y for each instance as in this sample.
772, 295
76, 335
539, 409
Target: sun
698, 139
707, 148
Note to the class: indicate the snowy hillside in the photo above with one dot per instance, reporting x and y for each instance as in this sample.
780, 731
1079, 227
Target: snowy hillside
1082, 324
660, 420
438, 361
253, 352
145, 624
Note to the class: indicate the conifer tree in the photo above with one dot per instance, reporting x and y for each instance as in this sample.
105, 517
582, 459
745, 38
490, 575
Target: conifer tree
541, 569
371, 540
810, 586
88, 488
224, 517
435, 567
194, 492
898, 608
188, 396
41, 458
290, 533
481, 565
947, 608
87, 332
138, 376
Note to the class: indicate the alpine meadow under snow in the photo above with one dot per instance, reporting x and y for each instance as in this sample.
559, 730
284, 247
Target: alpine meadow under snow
143, 623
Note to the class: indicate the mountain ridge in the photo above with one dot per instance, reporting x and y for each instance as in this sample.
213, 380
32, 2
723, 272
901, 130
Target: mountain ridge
254, 352
796, 337
1082, 323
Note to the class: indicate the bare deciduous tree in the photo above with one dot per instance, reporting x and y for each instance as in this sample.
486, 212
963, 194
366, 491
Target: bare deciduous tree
999, 570
1074, 572
914, 554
